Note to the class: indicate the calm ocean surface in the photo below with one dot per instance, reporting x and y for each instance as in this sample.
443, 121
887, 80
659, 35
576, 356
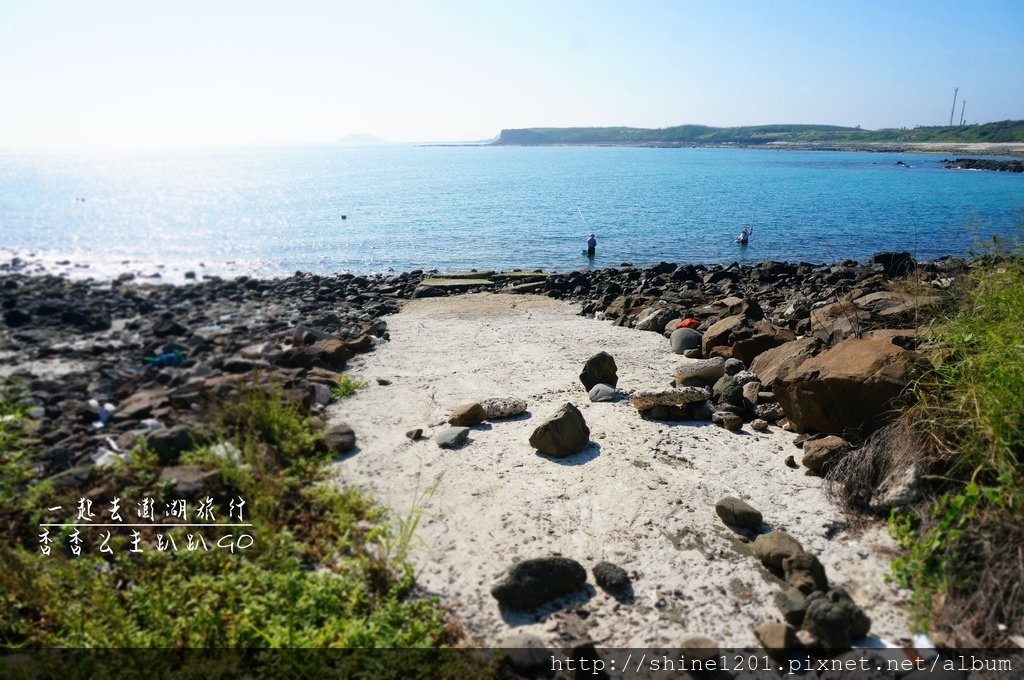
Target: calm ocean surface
275, 211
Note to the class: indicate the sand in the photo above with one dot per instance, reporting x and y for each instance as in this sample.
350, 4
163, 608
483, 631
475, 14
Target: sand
641, 495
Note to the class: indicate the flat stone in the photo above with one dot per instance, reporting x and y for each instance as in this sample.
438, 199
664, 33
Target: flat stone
645, 400
602, 392
452, 437
709, 370
738, 512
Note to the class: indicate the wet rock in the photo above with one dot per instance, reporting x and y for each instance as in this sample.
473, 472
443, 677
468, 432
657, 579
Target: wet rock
531, 583
611, 577
775, 546
467, 415
452, 437
738, 512
564, 434
599, 369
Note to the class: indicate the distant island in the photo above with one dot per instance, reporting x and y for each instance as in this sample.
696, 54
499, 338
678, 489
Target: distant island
992, 136
360, 139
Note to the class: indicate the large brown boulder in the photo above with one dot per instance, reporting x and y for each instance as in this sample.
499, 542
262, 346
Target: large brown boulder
845, 388
720, 333
563, 434
783, 359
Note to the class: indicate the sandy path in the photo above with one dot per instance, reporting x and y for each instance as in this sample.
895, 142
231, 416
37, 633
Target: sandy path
643, 497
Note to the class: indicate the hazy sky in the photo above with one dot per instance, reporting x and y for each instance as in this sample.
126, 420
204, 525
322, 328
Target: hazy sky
141, 73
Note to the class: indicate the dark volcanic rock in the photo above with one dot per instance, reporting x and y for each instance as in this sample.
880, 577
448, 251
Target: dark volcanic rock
533, 582
169, 443
340, 438
599, 369
611, 577
563, 434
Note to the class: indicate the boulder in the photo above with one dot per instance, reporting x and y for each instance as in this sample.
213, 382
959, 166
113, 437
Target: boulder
738, 512
834, 620
776, 636
502, 407
894, 264
707, 370
792, 605
729, 421
655, 319
599, 369
340, 438
602, 392
169, 443
645, 400
727, 391
821, 454
563, 434
531, 583
467, 415
611, 577
775, 546
452, 437
804, 572
783, 359
838, 321
720, 333
845, 388
683, 339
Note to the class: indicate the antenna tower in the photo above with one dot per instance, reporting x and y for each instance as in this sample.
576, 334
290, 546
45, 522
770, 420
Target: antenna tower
953, 110
963, 105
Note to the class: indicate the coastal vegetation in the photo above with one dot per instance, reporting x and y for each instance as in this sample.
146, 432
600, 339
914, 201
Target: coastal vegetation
325, 569
962, 548
1007, 131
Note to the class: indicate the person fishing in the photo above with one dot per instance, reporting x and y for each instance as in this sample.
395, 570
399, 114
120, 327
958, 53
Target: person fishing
744, 236
591, 246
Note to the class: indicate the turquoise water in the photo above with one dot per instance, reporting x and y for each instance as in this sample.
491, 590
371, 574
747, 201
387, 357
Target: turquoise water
275, 211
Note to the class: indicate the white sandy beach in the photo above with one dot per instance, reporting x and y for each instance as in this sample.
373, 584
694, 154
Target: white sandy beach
641, 495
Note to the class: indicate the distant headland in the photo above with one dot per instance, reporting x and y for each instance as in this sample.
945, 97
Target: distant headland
1003, 137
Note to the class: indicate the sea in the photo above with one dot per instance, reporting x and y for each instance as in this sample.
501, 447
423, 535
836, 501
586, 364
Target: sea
328, 209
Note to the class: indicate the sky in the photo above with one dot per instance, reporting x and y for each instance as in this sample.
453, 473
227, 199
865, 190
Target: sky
112, 74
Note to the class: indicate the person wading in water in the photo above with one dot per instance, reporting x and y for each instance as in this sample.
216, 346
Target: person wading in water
591, 246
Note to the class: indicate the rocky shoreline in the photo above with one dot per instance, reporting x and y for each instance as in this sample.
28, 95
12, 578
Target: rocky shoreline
104, 363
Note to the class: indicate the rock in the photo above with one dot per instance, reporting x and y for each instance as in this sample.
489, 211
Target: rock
776, 636
750, 392
645, 400
166, 328
834, 620
599, 369
189, 481
602, 392
655, 319
415, 434
783, 359
770, 412
792, 604
727, 391
699, 648
705, 369
563, 434
533, 582
804, 572
846, 388
452, 437
733, 366
894, 264
899, 489
16, 318
821, 454
791, 462
775, 546
738, 512
497, 408
670, 413
720, 333
683, 339
838, 321
467, 415
611, 577
168, 444
340, 438
759, 425
729, 421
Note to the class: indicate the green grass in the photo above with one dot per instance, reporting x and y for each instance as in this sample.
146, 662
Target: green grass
316, 575
346, 387
962, 554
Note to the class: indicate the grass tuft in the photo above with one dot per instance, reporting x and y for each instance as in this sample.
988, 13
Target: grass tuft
346, 387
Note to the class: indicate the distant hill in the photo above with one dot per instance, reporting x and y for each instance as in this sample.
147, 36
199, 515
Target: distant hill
1007, 131
360, 139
